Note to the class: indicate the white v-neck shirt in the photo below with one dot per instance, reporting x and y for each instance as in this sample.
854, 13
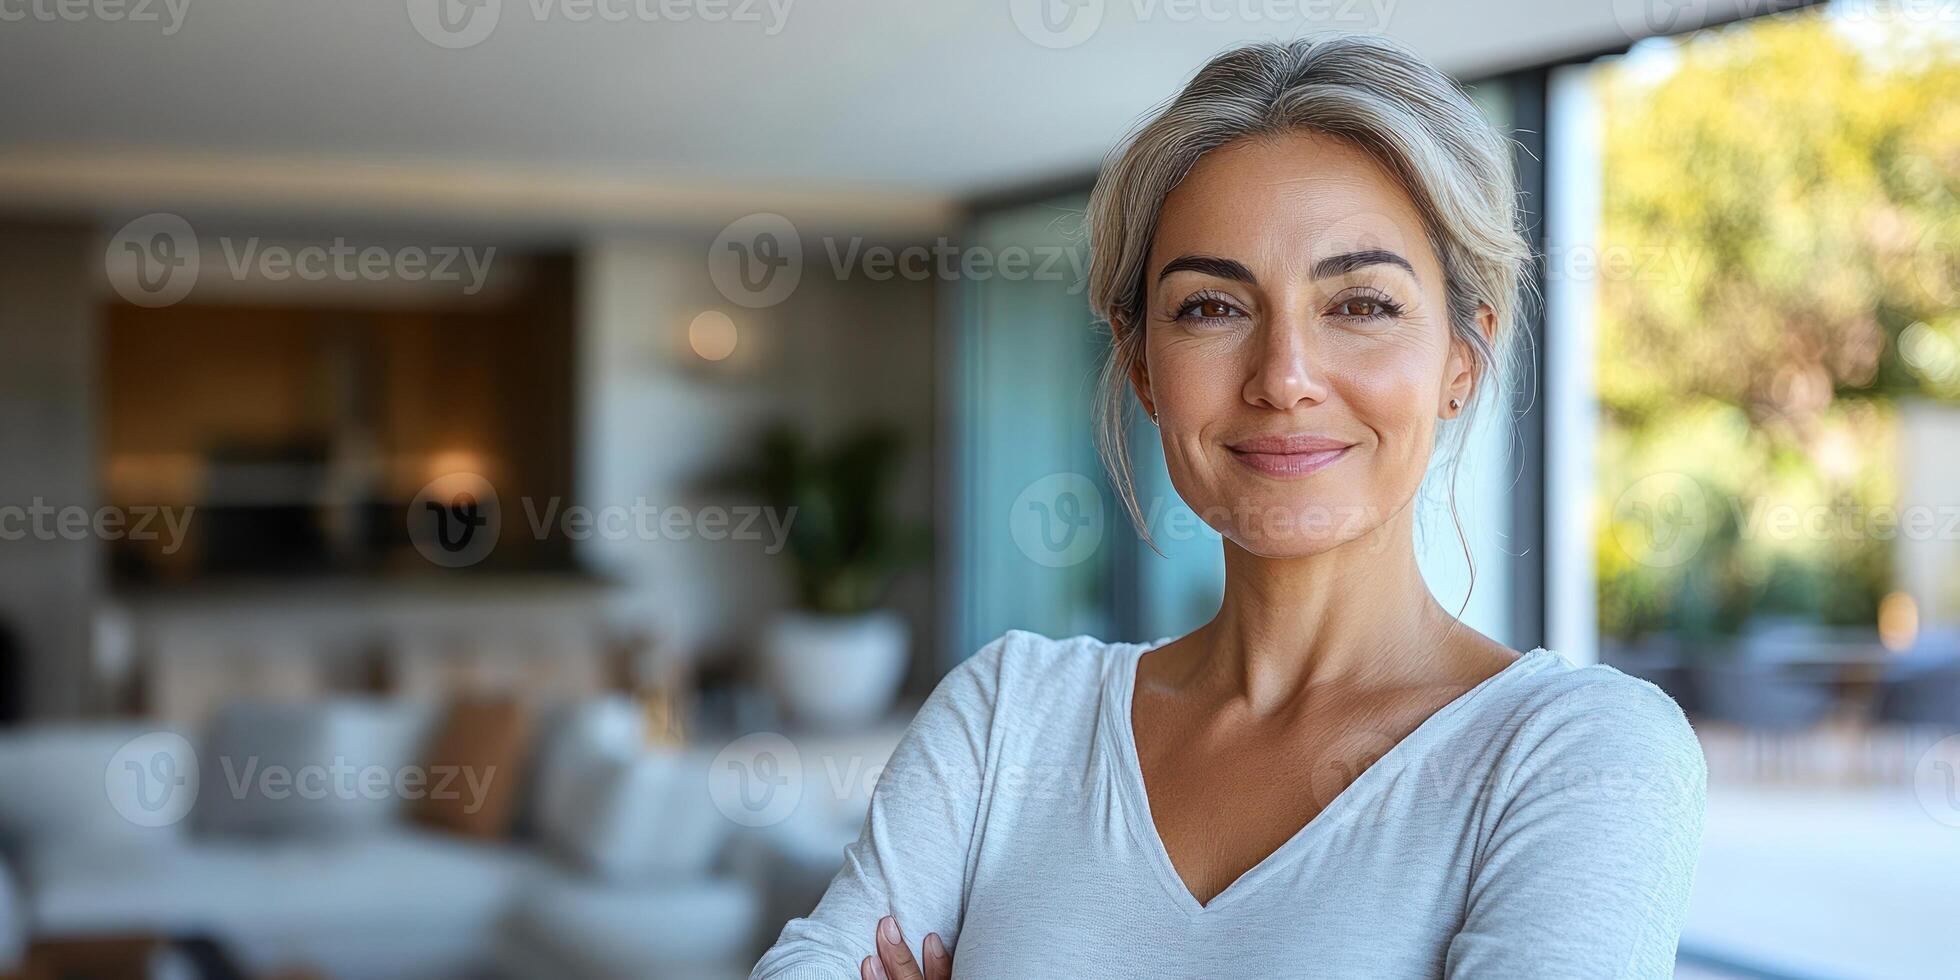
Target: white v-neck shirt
1545, 823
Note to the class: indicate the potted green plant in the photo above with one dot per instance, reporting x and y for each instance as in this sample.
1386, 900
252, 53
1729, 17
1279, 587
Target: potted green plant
836, 659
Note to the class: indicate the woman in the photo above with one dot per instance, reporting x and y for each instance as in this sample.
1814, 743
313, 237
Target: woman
1308, 262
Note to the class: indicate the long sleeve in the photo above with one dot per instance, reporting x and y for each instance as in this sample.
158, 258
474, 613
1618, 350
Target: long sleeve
913, 857
1590, 861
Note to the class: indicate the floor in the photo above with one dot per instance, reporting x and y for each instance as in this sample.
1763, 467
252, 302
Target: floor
1850, 869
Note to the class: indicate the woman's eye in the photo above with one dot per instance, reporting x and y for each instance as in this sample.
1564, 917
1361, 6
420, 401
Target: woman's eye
1208, 308
1367, 308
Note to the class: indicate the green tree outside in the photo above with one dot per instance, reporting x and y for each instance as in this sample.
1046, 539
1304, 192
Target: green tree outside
1780, 264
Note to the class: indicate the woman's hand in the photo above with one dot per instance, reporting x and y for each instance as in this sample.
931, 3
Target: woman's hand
894, 960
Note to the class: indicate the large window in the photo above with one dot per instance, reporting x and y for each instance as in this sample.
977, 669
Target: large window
1755, 381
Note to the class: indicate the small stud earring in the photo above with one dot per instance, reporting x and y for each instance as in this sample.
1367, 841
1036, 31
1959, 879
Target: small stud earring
1153, 418
1454, 404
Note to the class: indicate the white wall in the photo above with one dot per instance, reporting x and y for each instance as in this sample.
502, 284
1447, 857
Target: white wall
655, 420
1927, 559
1573, 194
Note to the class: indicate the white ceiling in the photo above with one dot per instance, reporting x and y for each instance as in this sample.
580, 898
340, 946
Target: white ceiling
900, 104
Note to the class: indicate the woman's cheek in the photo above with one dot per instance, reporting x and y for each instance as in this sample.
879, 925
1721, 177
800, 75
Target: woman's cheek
1401, 409
1195, 383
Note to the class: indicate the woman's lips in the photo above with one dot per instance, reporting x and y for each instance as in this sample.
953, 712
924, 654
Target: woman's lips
1290, 463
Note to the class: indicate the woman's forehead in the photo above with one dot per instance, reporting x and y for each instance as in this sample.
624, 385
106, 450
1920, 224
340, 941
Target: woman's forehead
1292, 199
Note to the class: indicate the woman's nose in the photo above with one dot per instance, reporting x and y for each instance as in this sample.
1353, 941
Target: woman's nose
1285, 369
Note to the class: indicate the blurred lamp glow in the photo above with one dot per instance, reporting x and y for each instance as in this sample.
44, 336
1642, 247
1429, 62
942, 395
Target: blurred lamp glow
1898, 621
712, 335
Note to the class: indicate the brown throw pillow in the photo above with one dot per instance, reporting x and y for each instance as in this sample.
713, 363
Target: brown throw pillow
475, 768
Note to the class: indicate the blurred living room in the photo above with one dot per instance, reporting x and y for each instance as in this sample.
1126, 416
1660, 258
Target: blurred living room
485, 484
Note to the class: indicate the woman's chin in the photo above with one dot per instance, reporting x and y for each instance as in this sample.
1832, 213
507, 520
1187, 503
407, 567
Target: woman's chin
1289, 525
1278, 548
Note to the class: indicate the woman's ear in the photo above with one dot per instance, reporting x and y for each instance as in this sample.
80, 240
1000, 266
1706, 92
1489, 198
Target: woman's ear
1139, 368
1464, 371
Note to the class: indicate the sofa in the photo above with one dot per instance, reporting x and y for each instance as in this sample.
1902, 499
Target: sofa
619, 864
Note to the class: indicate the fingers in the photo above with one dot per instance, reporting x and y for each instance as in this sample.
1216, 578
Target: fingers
939, 962
893, 955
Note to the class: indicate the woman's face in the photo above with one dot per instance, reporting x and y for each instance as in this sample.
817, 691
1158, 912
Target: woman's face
1297, 350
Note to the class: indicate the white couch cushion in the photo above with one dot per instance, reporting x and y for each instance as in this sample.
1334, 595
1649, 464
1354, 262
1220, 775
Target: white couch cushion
642, 816
581, 928
574, 739
69, 782
322, 768
251, 759
13, 923
429, 898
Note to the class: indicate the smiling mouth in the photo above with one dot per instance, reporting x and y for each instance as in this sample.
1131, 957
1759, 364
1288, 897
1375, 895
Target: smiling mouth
1281, 462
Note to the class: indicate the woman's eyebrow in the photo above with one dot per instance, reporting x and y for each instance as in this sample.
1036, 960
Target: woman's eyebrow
1209, 265
1335, 265
1327, 268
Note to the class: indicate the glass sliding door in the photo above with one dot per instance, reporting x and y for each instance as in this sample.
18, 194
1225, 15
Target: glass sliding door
1033, 514
1042, 542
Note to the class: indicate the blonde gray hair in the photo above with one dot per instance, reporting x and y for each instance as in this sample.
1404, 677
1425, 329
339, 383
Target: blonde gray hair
1363, 88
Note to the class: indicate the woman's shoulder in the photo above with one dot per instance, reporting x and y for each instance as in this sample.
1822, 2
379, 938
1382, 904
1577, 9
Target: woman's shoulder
1027, 651
1021, 672
1020, 659
1595, 718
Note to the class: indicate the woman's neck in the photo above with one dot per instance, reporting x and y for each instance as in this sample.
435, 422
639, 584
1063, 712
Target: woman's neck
1356, 615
